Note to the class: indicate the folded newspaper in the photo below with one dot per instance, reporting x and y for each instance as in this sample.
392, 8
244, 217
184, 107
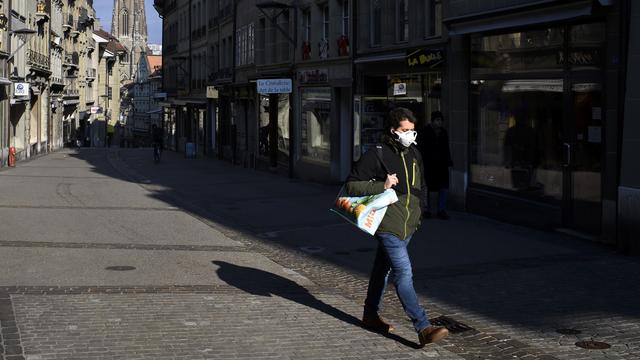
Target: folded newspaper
365, 212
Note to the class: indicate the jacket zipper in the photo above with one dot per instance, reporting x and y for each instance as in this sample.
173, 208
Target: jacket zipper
406, 172
413, 180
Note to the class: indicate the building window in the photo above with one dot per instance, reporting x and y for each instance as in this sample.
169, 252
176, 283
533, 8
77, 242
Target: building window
251, 36
345, 17
315, 127
124, 26
433, 10
306, 34
306, 25
375, 34
325, 21
402, 20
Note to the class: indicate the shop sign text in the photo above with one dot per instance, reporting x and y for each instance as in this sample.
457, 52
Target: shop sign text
274, 86
315, 76
425, 58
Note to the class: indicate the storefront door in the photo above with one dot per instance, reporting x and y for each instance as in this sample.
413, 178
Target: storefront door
583, 156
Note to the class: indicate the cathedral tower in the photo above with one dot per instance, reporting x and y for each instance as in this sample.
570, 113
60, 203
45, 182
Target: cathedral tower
129, 26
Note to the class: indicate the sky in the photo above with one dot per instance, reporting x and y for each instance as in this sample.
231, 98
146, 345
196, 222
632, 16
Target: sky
104, 10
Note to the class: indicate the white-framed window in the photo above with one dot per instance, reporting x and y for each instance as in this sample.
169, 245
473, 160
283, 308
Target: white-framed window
345, 17
306, 25
251, 47
325, 21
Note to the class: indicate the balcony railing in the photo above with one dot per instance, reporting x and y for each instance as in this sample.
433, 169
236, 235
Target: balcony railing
38, 60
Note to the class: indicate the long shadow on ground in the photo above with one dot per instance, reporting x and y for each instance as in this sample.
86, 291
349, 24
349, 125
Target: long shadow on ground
261, 283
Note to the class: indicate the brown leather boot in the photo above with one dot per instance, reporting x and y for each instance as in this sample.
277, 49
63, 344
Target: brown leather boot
375, 323
432, 334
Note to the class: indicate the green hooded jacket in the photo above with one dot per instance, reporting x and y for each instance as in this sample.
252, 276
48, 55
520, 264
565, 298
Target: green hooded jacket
368, 177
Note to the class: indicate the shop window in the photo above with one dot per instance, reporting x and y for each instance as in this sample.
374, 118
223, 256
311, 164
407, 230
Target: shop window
420, 93
433, 14
264, 126
316, 124
586, 48
375, 31
516, 135
536, 50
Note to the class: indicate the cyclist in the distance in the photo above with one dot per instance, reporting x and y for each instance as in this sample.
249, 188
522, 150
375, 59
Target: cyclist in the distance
156, 139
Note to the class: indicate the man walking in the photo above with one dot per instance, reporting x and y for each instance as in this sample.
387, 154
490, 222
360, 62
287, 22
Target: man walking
434, 148
395, 164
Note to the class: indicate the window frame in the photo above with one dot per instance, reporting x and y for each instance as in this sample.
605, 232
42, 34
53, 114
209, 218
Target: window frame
402, 24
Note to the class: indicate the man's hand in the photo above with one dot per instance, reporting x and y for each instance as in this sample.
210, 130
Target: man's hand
392, 180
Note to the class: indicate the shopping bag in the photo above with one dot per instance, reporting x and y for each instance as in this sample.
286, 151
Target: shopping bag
365, 212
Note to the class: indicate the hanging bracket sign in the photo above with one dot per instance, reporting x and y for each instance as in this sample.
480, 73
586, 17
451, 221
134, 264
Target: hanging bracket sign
21, 89
274, 86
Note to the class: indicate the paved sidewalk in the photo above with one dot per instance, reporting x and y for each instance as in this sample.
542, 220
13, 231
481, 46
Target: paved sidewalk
233, 263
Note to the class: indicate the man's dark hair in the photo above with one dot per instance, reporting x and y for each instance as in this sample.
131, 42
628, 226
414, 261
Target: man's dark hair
398, 114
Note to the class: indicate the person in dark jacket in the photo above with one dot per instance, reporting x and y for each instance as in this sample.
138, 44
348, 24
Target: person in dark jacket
397, 164
434, 147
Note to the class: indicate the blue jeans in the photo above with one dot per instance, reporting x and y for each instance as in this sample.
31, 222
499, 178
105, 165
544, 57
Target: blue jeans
392, 260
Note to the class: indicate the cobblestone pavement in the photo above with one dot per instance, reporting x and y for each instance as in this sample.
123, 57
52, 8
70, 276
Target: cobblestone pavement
304, 302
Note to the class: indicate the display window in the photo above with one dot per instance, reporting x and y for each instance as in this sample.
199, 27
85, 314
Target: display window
315, 125
420, 92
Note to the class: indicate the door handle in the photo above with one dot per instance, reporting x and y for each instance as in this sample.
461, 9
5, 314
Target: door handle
567, 149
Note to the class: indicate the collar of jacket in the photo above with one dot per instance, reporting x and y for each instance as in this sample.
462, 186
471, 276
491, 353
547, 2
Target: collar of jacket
396, 146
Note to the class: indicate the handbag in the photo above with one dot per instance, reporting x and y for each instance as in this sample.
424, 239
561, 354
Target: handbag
365, 212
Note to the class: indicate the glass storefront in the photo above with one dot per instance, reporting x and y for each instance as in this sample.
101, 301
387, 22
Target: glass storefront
536, 117
315, 125
516, 132
281, 141
419, 92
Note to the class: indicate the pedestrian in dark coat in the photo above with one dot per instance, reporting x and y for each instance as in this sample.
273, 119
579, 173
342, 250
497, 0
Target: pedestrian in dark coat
434, 147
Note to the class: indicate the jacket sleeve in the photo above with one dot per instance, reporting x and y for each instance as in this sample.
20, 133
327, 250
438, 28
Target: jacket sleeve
423, 181
365, 179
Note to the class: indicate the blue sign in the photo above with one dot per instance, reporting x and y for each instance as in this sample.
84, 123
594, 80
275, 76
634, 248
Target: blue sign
274, 86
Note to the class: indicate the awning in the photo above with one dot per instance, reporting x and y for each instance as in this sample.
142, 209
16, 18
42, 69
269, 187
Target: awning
381, 57
516, 17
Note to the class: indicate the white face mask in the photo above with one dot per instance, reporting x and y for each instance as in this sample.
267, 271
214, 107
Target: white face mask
406, 138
